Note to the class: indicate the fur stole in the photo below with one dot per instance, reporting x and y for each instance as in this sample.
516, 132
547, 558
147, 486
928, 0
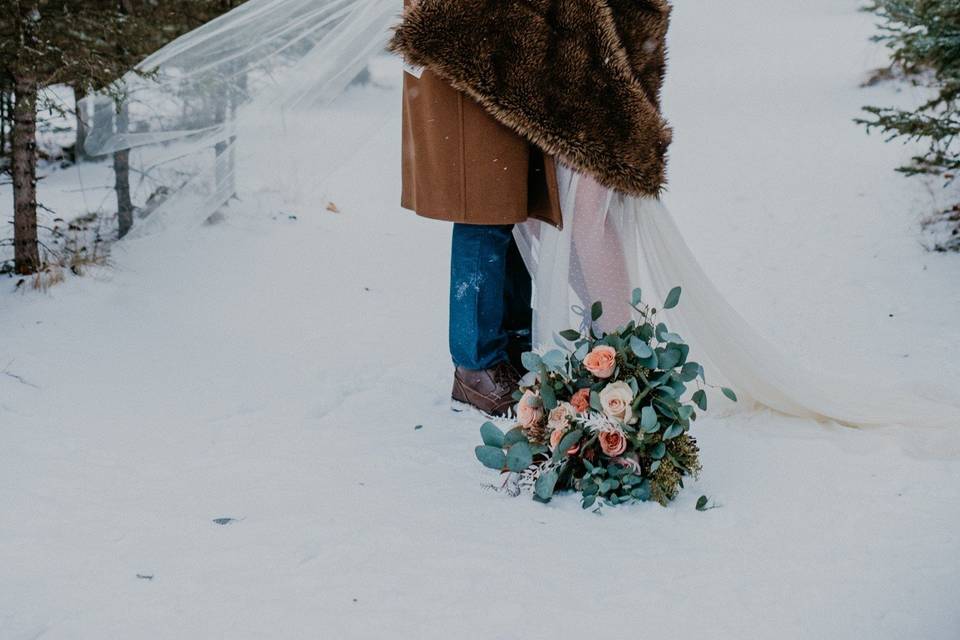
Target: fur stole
579, 78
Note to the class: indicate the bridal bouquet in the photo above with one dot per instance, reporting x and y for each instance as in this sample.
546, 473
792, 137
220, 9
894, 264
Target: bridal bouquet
606, 416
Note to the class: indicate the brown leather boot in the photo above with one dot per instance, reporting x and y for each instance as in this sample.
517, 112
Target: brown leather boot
490, 390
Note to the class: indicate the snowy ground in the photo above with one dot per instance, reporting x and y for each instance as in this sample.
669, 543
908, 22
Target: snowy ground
273, 368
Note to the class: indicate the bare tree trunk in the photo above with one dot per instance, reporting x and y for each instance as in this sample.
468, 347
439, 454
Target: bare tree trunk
25, 250
121, 169
4, 118
80, 153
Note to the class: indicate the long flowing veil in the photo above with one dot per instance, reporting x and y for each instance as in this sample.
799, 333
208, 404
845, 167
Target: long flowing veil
611, 244
190, 108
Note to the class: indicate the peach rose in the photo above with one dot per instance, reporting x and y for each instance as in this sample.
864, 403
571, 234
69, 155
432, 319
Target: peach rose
601, 361
529, 409
616, 399
559, 417
613, 443
581, 400
557, 436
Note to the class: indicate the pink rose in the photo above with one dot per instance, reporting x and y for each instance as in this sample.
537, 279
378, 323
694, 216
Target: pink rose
555, 439
613, 443
529, 409
601, 361
581, 400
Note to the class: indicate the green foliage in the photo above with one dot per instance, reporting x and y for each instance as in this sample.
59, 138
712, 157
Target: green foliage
924, 40
651, 450
491, 457
492, 436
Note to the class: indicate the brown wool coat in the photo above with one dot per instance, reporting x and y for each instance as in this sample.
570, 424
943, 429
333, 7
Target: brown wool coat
459, 164
580, 79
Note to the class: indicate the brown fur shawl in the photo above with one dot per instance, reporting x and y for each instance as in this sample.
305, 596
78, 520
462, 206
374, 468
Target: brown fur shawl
579, 78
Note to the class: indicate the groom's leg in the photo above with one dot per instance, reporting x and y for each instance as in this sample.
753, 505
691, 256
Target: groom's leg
518, 314
480, 280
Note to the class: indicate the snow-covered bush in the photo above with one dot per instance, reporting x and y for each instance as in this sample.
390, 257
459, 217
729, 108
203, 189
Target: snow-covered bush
924, 39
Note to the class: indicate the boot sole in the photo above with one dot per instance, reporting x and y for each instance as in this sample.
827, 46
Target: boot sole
458, 406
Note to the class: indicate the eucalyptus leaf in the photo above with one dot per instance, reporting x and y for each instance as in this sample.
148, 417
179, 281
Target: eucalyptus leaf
549, 397
672, 431
677, 387
641, 493
514, 436
531, 361
673, 298
656, 381
660, 331
670, 358
570, 334
519, 457
672, 338
690, 371
636, 297
555, 360
700, 398
566, 443
595, 401
649, 421
546, 484
729, 393
640, 348
651, 362
491, 435
667, 391
582, 351
702, 503
491, 457
608, 485
596, 310
658, 451
589, 487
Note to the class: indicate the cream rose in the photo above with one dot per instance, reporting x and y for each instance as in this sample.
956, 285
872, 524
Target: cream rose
529, 409
615, 399
559, 417
601, 361
613, 443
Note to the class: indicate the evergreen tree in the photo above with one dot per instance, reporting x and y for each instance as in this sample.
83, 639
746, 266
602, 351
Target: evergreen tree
87, 44
924, 39
42, 43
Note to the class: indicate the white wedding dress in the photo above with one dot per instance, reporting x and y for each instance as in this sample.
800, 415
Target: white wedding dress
611, 244
268, 57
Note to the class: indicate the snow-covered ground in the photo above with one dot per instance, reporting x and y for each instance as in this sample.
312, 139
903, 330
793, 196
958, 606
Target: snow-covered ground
287, 367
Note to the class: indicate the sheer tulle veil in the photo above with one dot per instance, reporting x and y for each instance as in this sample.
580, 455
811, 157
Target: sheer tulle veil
193, 102
264, 66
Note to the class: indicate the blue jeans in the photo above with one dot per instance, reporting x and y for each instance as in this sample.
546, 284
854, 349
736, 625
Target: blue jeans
490, 291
